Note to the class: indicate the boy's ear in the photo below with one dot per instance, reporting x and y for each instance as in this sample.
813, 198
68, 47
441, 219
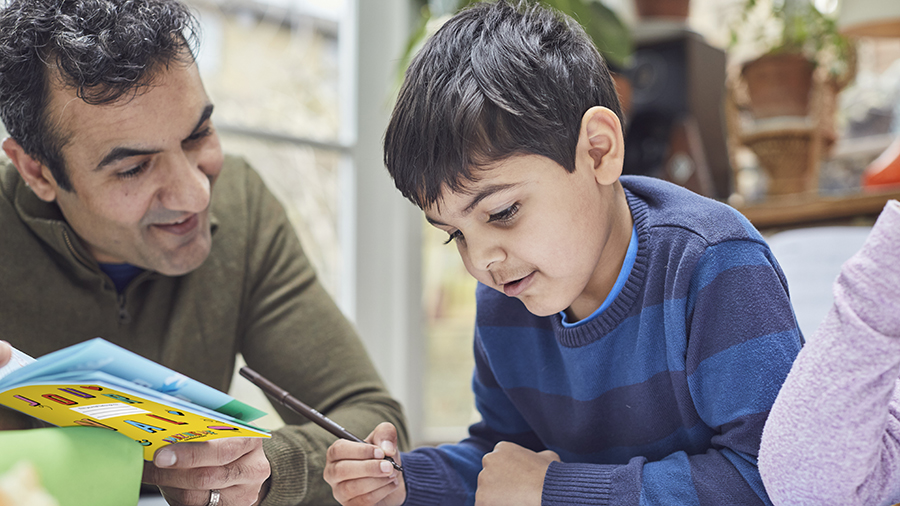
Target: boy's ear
36, 174
601, 144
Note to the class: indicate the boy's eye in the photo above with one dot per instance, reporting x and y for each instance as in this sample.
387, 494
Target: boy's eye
504, 215
455, 236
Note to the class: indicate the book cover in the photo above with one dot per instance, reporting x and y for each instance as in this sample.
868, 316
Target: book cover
98, 384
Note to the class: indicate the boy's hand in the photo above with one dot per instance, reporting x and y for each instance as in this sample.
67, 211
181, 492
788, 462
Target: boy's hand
512, 475
358, 473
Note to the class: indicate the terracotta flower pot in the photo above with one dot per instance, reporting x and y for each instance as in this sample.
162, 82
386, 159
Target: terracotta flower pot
678, 9
778, 85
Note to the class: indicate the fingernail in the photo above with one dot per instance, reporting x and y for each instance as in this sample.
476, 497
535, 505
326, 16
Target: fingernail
165, 458
388, 447
379, 453
386, 466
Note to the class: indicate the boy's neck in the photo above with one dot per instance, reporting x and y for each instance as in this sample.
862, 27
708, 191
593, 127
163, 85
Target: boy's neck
611, 260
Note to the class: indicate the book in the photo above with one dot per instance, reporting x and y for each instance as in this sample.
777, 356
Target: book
98, 384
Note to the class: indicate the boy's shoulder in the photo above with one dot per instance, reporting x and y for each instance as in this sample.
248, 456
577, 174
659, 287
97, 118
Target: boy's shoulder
661, 204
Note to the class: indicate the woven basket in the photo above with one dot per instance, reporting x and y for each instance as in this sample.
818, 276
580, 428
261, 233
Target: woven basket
787, 158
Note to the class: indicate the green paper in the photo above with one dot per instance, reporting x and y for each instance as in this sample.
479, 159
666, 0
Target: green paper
78, 466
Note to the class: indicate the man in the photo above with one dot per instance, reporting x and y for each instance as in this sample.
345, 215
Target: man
120, 217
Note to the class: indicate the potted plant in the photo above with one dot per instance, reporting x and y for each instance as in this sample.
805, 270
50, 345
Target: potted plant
793, 39
790, 88
676, 10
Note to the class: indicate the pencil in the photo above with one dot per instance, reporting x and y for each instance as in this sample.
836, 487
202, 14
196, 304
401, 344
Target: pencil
283, 397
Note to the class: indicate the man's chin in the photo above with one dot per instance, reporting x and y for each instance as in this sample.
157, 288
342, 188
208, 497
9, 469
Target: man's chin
181, 264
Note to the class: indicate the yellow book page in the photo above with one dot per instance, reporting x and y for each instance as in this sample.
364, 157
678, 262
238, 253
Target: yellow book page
150, 423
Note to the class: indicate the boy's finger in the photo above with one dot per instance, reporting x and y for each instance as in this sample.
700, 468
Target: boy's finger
348, 470
349, 450
385, 437
365, 490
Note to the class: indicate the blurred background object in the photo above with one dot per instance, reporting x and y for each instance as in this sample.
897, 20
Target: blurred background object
875, 18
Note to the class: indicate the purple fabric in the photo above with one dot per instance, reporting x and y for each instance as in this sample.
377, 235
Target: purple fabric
833, 435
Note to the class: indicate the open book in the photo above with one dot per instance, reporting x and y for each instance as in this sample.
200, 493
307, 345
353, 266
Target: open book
99, 384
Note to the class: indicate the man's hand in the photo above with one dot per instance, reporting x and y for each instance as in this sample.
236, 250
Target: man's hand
5, 353
186, 472
9, 418
512, 475
359, 476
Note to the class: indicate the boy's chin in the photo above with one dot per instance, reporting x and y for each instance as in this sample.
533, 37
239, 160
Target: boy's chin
538, 307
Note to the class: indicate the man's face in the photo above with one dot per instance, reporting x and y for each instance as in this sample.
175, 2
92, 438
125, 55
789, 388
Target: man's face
527, 228
142, 170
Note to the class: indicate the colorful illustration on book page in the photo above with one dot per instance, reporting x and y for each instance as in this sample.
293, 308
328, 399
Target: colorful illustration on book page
150, 423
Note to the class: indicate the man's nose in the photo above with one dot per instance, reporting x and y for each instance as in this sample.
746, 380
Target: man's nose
186, 187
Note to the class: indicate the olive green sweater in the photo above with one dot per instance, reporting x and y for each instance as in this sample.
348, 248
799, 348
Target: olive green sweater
256, 294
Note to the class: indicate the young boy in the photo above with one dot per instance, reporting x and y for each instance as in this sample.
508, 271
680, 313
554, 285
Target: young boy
631, 336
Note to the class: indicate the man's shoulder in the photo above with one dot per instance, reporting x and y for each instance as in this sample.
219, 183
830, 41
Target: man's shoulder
238, 189
9, 179
237, 175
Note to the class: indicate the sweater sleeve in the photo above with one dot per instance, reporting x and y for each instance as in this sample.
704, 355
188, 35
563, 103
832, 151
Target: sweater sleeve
448, 475
295, 335
833, 436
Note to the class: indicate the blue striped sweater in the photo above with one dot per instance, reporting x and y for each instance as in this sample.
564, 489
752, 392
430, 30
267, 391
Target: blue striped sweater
658, 400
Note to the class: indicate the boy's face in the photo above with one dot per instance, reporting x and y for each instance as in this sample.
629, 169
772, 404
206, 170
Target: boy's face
553, 239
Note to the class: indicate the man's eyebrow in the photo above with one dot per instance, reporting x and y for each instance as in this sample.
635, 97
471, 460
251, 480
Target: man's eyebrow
207, 112
121, 153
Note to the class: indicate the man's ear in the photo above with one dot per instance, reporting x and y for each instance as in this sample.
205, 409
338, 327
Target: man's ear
36, 174
601, 144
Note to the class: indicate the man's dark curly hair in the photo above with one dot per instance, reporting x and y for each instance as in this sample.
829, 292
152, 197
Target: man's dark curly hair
104, 50
498, 79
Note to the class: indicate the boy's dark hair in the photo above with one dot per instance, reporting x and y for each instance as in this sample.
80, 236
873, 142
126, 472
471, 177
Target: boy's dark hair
498, 79
102, 49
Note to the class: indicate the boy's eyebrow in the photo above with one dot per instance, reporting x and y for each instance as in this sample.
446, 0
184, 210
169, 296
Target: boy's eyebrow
485, 193
482, 194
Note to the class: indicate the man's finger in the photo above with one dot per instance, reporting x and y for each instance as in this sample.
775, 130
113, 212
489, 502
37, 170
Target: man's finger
208, 453
5, 353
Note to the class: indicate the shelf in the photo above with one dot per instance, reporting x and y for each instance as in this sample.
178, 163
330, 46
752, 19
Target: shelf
806, 209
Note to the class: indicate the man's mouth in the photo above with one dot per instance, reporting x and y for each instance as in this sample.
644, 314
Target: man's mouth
514, 288
180, 226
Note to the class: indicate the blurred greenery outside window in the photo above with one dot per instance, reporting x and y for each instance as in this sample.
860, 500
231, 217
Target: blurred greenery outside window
272, 69
272, 73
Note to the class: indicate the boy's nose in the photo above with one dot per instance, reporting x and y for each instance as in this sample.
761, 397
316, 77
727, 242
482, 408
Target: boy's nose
485, 253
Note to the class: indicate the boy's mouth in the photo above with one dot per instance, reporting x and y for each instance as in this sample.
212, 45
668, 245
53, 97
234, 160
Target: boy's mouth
514, 288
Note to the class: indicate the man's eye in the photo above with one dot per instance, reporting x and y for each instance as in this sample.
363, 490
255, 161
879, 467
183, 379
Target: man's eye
455, 236
133, 172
